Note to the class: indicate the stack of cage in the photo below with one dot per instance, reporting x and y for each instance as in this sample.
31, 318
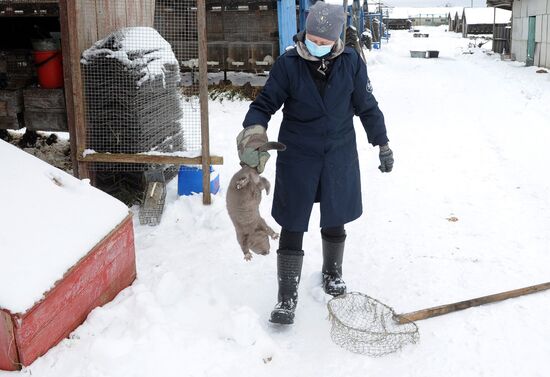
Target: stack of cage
16, 71
133, 105
132, 95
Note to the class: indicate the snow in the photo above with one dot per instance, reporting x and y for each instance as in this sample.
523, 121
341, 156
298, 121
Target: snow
479, 16
406, 13
49, 221
469, 133
154, 52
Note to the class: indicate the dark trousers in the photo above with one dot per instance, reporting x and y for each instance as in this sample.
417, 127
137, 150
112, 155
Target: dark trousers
292, 241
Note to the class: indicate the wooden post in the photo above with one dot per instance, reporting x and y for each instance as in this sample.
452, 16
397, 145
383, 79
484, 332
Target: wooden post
494, 28
449, 308
70, 31
286, 17
203, 97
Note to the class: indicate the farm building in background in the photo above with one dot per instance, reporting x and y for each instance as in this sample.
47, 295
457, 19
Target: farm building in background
483, 20
455, 19
417, 16
531, 31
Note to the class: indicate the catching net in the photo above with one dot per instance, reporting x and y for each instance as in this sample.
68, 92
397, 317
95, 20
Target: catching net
364, 325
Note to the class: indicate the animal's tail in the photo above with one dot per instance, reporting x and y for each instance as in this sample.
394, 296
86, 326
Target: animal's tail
272, 145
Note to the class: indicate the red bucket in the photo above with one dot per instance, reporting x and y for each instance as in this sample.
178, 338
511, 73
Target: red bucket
49, 67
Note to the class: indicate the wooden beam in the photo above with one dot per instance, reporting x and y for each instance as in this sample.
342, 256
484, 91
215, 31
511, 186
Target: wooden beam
70, 32
449, 308
125, 158
203, 97
106, 17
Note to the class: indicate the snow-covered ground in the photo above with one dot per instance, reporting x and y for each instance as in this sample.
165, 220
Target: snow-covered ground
469, 134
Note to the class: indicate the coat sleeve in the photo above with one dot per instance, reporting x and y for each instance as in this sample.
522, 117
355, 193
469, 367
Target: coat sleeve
271, 98
366, 107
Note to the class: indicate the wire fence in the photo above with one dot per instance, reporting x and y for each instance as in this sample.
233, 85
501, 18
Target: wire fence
136, 101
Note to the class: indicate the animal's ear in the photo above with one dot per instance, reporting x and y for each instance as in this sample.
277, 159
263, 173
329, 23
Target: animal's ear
242, 182
265, 185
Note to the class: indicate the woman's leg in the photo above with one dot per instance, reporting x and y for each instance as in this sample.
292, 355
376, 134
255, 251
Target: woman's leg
289, 268
333, 254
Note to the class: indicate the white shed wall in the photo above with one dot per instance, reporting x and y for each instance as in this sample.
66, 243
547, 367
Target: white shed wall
520, 29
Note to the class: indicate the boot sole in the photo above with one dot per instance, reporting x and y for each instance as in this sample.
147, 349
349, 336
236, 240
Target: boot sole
282, 317
335, 293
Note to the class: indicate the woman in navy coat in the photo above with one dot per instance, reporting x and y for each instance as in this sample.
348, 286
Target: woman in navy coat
321, 85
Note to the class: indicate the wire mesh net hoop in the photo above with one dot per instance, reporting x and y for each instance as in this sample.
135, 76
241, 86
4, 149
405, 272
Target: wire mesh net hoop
364, 325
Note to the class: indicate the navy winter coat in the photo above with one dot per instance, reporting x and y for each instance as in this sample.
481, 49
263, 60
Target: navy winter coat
320, 163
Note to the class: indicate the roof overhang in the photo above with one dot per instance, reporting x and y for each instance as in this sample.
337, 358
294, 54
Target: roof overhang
504, 4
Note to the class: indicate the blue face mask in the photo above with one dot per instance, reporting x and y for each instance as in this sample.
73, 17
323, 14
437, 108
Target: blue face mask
316, 50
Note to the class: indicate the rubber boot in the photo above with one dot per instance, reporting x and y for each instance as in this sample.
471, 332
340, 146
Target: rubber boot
289, 269
333, 255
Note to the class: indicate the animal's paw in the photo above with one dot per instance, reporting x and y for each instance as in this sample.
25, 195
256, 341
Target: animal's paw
247, 256
275, 236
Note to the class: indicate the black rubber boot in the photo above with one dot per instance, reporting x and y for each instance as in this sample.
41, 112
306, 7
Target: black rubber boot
289, 269
333, 255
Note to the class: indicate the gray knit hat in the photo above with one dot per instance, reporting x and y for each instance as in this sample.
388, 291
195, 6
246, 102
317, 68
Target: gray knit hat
325, 20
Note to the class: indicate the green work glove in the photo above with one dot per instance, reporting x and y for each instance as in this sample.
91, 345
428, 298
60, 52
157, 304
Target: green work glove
386, 159
249, 142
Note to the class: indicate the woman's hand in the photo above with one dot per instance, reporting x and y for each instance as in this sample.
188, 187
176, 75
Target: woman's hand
386, 159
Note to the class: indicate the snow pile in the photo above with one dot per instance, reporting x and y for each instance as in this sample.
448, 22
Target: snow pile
138, 48
49, 220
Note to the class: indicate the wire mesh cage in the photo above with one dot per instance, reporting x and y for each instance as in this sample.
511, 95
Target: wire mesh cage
135, 99
364, 325
152, 207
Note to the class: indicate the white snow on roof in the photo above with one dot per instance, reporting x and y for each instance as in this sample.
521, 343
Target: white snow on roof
49, 221
407, 12
454, 11
487, 16
136, 47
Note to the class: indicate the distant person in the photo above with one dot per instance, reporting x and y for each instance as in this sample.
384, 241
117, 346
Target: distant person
321, 85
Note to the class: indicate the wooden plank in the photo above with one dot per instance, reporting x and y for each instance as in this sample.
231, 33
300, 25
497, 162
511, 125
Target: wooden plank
203, 97
106, 17
119, 7
147, 159
47, 99
9, 358
449, 308
11, 102
71, 30
148, 15
95, 280
134, 13
140, 12
46, 120
87, 24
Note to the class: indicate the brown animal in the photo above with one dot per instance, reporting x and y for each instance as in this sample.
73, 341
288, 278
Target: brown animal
243, 201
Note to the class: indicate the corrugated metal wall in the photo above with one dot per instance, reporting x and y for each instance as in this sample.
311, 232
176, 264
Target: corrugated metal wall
522, 10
